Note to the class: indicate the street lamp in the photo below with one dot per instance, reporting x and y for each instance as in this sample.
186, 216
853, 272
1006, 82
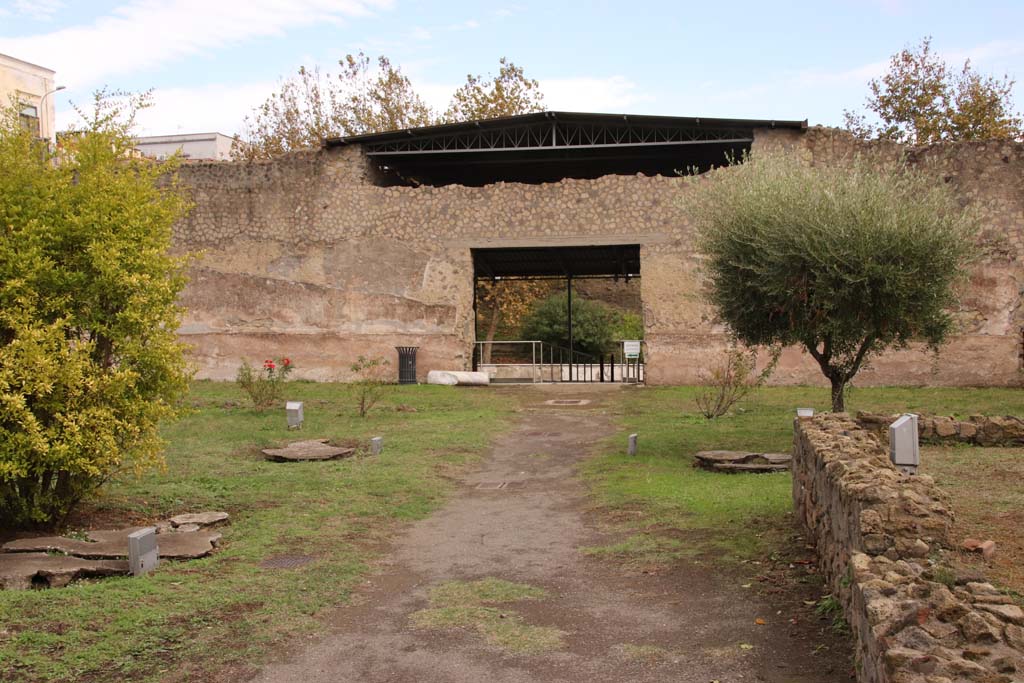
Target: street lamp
42, 109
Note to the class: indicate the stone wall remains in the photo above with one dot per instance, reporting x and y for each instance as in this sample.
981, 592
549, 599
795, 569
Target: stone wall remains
874, 529
978, 430
306, 256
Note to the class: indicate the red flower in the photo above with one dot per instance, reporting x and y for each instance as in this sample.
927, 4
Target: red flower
286, 361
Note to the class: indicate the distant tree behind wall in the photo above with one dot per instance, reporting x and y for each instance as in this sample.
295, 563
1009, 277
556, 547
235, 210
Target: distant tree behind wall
371, 96
312, 106
921, 100
507, 93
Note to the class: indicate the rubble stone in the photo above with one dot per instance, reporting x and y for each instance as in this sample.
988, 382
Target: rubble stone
200, 518
22, 571
300, 451
869, 525
742, 461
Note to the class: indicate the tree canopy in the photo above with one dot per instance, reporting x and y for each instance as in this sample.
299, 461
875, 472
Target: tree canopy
507, 93
371, 96
921, 100
844, 261
89, 356
596, 325
311, 106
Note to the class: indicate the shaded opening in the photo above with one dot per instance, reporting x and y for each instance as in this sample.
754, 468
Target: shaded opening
556, 313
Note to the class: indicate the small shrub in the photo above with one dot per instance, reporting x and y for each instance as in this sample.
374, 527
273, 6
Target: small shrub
371, 381
264, 387
829, 607
732, 380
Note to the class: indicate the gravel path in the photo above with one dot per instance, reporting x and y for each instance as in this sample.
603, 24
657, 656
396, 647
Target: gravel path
683, 626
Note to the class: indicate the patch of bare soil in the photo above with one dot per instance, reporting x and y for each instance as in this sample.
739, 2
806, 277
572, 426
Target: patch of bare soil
988, 503
523, 518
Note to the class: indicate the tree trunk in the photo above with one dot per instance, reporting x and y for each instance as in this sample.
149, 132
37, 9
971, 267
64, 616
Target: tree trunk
838, 395
492, 330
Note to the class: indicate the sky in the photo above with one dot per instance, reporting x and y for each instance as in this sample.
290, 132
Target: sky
210, 62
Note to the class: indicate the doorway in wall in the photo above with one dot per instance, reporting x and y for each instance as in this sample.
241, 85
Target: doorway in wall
558, 314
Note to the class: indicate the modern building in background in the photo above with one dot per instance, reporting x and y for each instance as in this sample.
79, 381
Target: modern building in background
30, 88
193, 146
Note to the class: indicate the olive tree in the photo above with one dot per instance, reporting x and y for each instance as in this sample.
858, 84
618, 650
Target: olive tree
89, 358
845, 261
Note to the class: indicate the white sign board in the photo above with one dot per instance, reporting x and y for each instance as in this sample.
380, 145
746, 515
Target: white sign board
631, 349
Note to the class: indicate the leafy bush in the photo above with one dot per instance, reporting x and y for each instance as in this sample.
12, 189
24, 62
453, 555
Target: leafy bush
596, 326
371, 381
845, 261
90, 362
264, 387
732, 380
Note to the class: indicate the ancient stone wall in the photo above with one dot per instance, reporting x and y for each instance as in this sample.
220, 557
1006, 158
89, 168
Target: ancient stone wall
305, 256
978, 430
874, 528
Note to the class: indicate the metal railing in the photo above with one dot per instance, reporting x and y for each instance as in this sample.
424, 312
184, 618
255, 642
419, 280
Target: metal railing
538, 361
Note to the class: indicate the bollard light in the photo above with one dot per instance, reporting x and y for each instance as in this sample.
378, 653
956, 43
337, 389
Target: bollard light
904, 450
633, 446
294, 411
376, 445
143, 554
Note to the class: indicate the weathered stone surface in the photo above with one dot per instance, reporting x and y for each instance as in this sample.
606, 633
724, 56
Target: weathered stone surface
742, 461
299, 451
980, 430
309, 255
868, 525
1011, 613
114, 544
21, 571
200, 518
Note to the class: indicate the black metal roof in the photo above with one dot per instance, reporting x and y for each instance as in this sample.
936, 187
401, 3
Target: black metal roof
568, 117
552, 145
538, 262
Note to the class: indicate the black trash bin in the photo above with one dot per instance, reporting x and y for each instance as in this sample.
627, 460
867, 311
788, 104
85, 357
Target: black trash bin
407, 364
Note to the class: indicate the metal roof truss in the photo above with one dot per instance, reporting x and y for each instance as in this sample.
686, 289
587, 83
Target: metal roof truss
557, 134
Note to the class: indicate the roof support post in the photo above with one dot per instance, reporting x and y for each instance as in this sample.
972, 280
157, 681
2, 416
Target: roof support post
568, 281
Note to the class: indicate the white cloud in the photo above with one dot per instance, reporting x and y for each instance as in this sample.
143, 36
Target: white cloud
614, 94
205, 109
144, 34
468, 25
40, 10
994, 52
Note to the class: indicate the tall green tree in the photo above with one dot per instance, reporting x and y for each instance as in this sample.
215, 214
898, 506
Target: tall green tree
844, 261
921, 100
90, 362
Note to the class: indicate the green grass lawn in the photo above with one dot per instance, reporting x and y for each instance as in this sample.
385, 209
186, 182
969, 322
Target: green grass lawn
197, 620
188, 619
729, 515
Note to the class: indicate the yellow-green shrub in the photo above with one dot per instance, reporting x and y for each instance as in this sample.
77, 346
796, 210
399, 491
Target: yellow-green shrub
89, 359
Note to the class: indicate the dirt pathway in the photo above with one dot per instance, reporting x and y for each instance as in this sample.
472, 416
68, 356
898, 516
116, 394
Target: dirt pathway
686, 626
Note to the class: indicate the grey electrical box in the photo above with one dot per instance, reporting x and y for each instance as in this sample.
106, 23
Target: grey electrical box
143, 553
904, 451
294, 410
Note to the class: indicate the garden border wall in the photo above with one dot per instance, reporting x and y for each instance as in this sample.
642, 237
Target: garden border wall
874, 529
